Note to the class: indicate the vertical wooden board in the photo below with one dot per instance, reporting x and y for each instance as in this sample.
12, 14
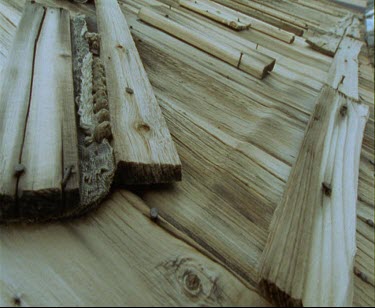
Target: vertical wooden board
71, 176
14, 101
143, 147
309, 257
39, 188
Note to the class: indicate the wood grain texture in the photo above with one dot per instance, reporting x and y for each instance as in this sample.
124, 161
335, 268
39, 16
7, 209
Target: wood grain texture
143, 148
70, 159
218, 13
247, 8
252, 62
309, 256
40, 187
235, 19
109, 248
14, 103
225, 203
343, 74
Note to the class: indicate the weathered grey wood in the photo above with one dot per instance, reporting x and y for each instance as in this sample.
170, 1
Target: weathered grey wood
242, 6
235, 19
71, 171
143, 147
40, 187
252, 62
14, 103
309, 256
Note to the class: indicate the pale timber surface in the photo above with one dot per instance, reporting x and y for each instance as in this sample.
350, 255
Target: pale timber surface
237, 138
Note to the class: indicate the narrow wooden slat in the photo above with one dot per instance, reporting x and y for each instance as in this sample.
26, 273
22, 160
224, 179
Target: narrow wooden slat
39, 189
242, 7
235, 19
343, 74
14, 102
70, 176
143, 147
252, 62
217, 12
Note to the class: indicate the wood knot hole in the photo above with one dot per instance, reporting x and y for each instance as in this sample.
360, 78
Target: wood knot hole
327, 189
143, 127
192, 283
129, 90
17, 300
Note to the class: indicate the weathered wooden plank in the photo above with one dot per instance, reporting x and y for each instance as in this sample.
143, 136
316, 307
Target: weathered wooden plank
309, 256
70, 173
242, 7
235, 19
40, 187
14, 103
217, 12
252, 62
144, 150
343, 74
116, 245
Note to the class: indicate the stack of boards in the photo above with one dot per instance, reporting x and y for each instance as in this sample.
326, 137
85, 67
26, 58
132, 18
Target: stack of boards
77, 113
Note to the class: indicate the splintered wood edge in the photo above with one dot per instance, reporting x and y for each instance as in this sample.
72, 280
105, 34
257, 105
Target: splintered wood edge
133, 173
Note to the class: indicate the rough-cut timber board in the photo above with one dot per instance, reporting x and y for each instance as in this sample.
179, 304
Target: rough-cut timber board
309, 257
217, 12
252, 62
146, 267
70, 159
143, 148
235, 19
40, 187
14, 102
244, 7
343, 74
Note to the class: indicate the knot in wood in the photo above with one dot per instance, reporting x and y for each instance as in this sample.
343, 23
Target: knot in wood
192, 283
129, 90
143, 127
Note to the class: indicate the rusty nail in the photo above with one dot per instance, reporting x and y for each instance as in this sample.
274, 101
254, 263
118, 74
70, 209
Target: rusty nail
19, 169
154, 214
327, 189
343, 110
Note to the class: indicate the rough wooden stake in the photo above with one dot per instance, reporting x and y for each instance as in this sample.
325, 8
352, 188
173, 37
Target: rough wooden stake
14, 103
252, 62
143, 147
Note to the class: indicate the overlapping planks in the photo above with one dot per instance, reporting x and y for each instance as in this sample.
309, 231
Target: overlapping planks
265, 14
14, 102
38, 135
309, 257
252, 62
143, 148
235, 19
